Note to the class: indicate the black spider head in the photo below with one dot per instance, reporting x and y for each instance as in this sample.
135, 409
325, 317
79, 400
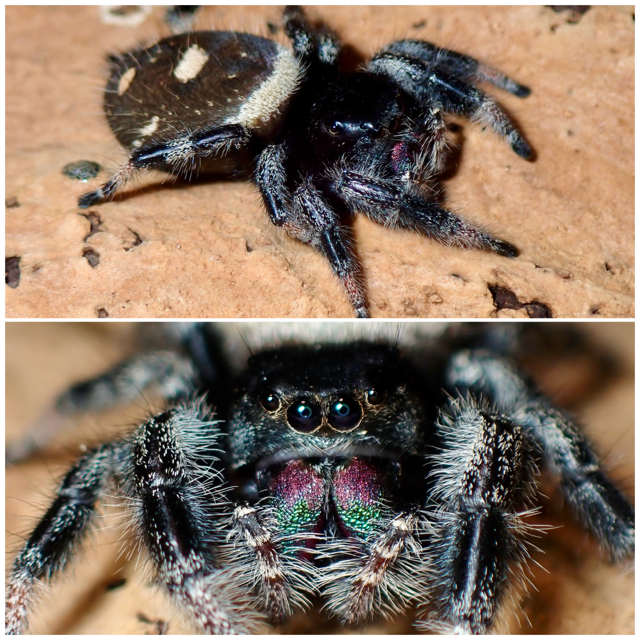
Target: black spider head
324, 402
351, 113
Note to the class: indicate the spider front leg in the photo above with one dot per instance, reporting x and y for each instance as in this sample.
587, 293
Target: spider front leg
483, 479
178, 156
391, 203
441, 79
460, 65
601, 507
177, 497
306, 215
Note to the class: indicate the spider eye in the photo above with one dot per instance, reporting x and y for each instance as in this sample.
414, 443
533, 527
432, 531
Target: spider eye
375, 396
335, 128
304, 416
345, 415
270, 401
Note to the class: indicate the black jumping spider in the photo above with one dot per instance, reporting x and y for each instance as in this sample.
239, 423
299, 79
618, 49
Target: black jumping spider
320, 143
375, 469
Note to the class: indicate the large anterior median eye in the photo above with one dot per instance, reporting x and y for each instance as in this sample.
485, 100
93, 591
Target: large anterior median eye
304, 416
345, 414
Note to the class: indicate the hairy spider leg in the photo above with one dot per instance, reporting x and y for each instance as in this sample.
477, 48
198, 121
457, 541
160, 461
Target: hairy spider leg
459, 65
176, 494
165, 469
390, 203
600, 506
271, 180
306, 215
312, 45
60, 530
166, 374
179, 156
484, 480
437, 84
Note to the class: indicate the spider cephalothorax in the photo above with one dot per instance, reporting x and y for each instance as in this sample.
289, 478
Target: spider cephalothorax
370, 472
320, 143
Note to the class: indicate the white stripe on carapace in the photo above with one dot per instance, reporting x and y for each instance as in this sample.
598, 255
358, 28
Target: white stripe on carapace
191, 63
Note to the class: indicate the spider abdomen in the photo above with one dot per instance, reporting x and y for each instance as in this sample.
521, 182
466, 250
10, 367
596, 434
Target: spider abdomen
197, 81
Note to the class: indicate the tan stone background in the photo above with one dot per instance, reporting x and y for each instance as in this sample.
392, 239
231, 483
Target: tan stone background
576, 591
208, 250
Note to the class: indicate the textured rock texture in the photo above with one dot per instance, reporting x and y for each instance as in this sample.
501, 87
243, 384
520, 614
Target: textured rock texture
577, 592
208, 250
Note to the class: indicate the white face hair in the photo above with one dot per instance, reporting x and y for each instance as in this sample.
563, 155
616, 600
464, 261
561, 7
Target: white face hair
242, 339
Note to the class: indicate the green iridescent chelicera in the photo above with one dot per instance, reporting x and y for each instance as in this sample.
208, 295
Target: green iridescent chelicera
298, 496
360, 517
358, 493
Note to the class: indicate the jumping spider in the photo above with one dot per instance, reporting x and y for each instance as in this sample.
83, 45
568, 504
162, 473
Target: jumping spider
320, 143
375, 469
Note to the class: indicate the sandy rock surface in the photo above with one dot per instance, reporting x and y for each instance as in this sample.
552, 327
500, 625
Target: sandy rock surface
577, 592
208, 250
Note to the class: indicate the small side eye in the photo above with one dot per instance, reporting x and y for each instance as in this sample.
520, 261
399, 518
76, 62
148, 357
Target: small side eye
375, 396
270, 401
304, 416
335, 128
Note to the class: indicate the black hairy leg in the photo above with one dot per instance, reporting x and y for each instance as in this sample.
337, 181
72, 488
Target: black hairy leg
307, 216
317, 225
393, 205
564, 450
312, 44
444, 78
61, 529
180, 156
166, 374
463, 67
484, 477
172, 489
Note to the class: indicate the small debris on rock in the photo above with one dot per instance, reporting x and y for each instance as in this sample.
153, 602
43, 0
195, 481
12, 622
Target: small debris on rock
504, 298
12, 271
82, 170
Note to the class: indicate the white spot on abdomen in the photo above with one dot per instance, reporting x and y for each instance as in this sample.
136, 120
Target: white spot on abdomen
191, 63
125, 80
150, 128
